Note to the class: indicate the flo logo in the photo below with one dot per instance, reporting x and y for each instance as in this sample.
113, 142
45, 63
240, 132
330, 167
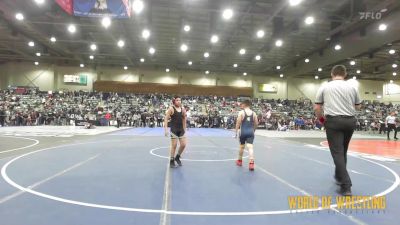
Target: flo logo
370, 15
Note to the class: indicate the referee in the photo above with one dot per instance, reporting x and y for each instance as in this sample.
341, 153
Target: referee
390, 123
339, 101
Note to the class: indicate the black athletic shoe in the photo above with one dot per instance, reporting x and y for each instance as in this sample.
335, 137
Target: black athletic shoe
345, 191
178, 160
395, 138
172, 163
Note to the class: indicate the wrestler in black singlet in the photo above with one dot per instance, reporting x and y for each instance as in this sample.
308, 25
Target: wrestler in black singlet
177, 130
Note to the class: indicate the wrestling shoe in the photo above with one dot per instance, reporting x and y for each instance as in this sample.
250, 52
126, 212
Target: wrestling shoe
178, 160
251, 166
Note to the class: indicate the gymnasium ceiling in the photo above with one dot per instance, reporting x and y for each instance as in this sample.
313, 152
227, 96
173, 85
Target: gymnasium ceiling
336, 22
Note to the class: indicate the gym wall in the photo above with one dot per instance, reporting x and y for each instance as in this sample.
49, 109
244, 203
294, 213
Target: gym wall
50, 77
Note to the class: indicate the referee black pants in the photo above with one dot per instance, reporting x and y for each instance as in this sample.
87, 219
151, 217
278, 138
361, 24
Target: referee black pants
390, 128
338, 132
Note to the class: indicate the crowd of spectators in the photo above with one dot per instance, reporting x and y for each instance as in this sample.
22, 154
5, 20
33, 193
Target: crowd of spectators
35, 108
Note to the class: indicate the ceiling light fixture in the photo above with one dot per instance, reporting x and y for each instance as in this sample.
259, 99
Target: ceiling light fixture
106, 22
145, 34
93, 47
382, 27
214, 39
184, 47
309, 20
152, 50
121, 43
294, 2
137, 6
72, 28
19, 16
260, 33
39, 2
186, 28
278, 43
227, 14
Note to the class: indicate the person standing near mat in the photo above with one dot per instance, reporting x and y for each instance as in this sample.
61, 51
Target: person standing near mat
247, 122
177, 114
339, 101
390, 123
2, 116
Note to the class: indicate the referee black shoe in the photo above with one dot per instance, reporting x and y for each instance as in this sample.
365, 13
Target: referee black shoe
345, 191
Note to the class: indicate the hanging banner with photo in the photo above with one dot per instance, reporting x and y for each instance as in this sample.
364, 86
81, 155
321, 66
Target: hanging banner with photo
391, 89
267, 88
101, 8
75, 79
66, 5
